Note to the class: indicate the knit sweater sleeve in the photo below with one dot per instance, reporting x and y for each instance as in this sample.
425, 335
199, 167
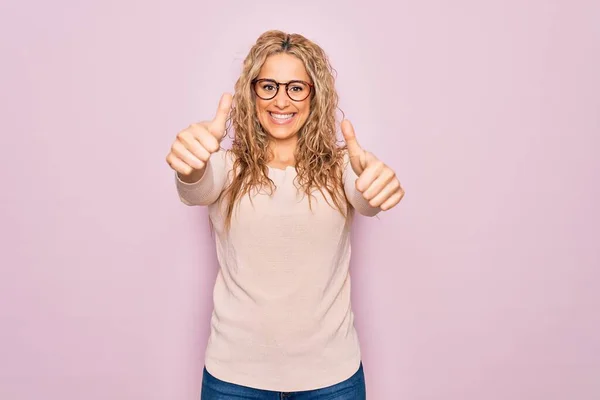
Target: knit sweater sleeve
208, 189
355, 198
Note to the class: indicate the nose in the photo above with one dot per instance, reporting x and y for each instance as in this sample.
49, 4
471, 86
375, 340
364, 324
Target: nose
282, 100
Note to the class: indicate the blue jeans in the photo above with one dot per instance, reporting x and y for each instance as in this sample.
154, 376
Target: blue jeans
352, 388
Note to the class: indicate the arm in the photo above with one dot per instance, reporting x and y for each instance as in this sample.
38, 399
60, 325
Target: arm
355, 198
370, 185
210, 185
199, 161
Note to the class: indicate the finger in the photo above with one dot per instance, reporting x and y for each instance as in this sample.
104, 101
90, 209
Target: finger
393, 200
383, 180
354, 148
178, 165
217, 126
208, 141
186, 156
385, 193
369, 175
190, 140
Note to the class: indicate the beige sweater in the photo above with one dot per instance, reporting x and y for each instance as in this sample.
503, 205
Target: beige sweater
282, 316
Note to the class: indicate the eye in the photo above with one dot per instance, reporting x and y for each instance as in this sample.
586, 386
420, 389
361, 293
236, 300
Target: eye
268, 87
296, 88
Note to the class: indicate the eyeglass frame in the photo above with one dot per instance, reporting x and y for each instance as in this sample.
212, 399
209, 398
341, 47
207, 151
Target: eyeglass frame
286, 84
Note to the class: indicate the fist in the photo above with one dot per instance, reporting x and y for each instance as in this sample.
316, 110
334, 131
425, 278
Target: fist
193, 146
376, 181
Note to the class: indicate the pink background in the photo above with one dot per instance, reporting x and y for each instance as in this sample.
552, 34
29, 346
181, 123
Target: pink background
483, 284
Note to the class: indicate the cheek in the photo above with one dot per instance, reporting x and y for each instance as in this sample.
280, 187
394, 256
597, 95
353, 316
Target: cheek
305, 111
259, 107
303, 107
260, 112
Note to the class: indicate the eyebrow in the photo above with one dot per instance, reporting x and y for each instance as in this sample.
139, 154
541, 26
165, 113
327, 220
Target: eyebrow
291, 80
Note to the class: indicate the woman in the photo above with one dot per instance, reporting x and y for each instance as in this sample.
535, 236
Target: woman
281, 202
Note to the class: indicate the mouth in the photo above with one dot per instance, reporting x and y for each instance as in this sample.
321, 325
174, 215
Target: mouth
282, 119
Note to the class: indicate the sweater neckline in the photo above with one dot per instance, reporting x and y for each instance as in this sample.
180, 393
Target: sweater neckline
289, 167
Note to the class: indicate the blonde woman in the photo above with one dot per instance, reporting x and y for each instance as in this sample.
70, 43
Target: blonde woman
281, 202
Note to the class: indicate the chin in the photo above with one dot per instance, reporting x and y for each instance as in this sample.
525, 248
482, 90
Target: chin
282, 134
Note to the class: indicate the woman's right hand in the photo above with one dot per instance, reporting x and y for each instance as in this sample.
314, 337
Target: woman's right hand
193, 146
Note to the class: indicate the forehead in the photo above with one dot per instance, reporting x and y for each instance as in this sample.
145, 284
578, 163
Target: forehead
283, 67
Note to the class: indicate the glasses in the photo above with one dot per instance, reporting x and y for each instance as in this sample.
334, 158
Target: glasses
267, 89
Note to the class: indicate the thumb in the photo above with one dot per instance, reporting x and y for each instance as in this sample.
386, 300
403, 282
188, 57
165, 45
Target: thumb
350, 137
217, 125
356, 153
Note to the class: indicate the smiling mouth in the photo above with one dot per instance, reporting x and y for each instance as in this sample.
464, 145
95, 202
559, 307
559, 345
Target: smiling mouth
281, 118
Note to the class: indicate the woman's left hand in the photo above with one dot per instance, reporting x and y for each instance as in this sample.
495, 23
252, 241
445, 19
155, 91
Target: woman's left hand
376, 181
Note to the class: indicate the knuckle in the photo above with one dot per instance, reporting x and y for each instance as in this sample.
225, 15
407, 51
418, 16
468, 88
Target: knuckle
198, 164
181, 135
203, 156
176, 147
212, 145
203, 133
186, 169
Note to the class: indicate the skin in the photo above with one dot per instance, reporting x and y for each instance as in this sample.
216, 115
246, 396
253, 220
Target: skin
376, 181
283, 138
193, 146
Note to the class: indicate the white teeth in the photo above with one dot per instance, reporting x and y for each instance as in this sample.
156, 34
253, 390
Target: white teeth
281, 116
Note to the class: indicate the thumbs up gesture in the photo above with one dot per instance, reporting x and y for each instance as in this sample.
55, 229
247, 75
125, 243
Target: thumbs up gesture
194, 145
376, 181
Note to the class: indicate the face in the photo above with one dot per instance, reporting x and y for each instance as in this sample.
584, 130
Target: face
281, 117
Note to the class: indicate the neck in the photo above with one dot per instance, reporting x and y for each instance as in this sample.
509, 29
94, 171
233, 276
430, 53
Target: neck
283, 152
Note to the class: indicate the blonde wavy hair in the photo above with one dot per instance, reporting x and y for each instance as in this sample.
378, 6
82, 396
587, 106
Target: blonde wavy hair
319, 159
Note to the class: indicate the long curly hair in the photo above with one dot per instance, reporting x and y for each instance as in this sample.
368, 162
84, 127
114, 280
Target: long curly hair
319, 159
